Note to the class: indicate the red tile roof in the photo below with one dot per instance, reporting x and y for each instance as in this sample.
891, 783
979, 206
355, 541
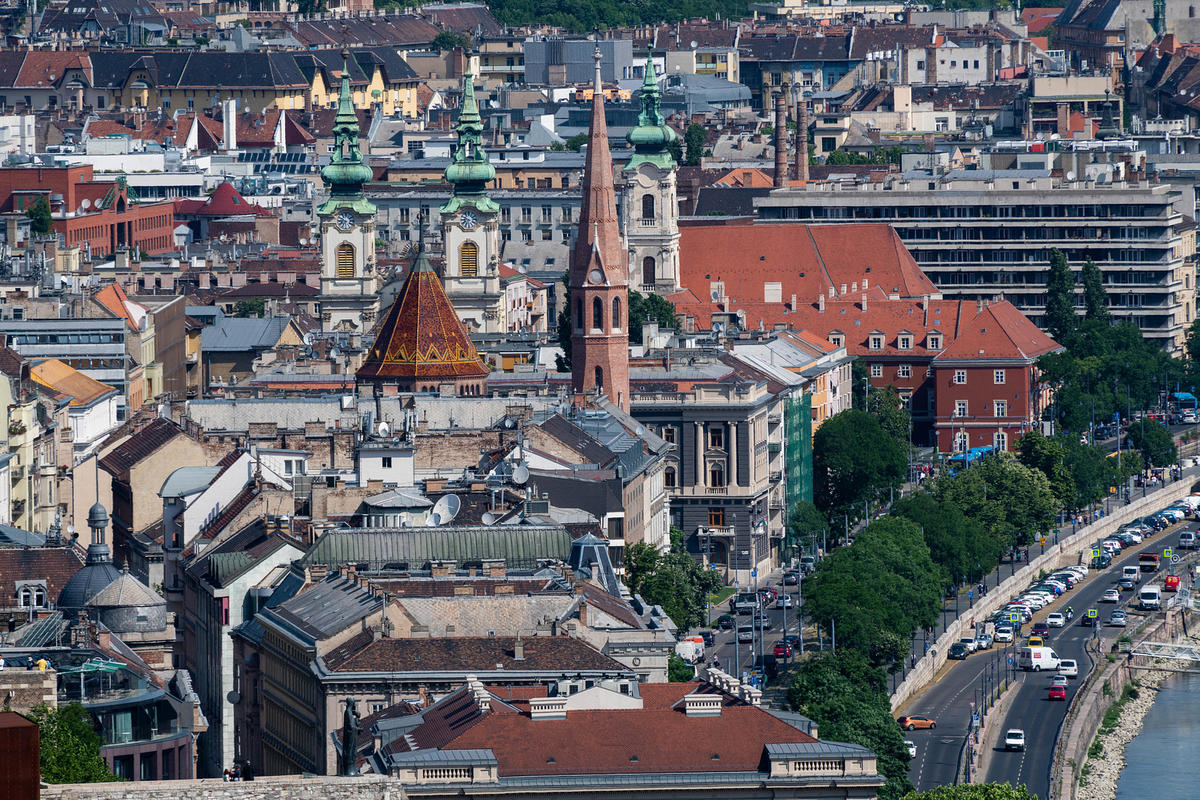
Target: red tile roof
999, 331
422, 336
148, 440
225, 201
55, 565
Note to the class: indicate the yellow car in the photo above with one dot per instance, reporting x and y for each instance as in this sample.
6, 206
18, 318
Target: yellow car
1036, 641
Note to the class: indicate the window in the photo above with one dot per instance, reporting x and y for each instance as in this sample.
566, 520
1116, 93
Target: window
716, 476
526, 213
506, 215
716, 438
647, 206
599, 379
905, 342
468, 259
998, 376
547, 215
345, 260
648, 271
387, 462
597, 313
935, 341
716, 518
962, 442
836, 340
960, 408
1001, 408
668, 434
1000, 440
877, 370
578, 313
960, 376
876, 342
669, 477
616, 314
904, 371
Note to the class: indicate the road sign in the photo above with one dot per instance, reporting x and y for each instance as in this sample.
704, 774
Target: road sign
1116, 416
1093, 613
971, 595
1010, 661
1015, 616
754, 573
1095, 552
1042, 541
1167, 552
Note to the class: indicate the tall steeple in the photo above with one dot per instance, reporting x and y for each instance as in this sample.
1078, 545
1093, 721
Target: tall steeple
651, 137
599, 274
346, 173
470, 171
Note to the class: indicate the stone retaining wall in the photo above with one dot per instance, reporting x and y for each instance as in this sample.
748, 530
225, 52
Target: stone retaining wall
1068, 551
280, 787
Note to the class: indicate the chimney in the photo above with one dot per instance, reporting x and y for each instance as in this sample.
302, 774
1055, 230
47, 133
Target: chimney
519, 649
821, 302
801, 142
979, 306
864, 303
548, 708
781, 179
702, 705
229, 120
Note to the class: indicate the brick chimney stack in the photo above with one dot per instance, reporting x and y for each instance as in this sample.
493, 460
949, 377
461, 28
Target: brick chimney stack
781, 165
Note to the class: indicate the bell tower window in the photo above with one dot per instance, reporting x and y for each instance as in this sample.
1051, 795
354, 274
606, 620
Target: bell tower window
647, 206
345, 260
648, 271
616, 314
597, 314
468, 259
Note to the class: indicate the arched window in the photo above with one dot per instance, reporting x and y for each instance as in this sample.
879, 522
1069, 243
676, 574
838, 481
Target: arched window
597, 313
25, 598
616, 315
578, 313
345, 260
468, 259
647, 206
599, 379
648, 271
669, 477
1191, 11
39, 597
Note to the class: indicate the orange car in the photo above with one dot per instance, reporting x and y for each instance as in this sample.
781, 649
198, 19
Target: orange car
913, 721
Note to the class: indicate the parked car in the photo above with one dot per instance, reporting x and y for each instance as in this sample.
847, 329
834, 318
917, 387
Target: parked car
1058, 693
1004, 633
912, 722
1068, 668
970, 643
958, 651
1119, 618
1056, 620
984, 641
1014, 739
912, 748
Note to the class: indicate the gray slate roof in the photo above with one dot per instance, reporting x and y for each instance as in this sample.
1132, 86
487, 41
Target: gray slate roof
235, 334
328, 607
520, 546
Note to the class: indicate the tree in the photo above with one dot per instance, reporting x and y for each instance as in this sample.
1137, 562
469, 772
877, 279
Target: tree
1095, 299
645, 308
254, 307
959, 546
70, 745
674, 581
39, 216
1154, 442
1049, 456
804, 524
450, 40
679, 671
675, 148
1060, 298
974, 791
853, 459
1013, 502
577, 142
847, 697
860, 380
887, 407
693, 140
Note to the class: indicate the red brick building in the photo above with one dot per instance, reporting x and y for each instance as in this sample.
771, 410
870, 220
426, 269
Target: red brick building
99, 216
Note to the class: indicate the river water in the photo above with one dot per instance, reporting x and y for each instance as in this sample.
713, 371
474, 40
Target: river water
1160, 761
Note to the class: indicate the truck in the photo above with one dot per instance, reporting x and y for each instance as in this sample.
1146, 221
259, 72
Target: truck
1148, 562
1037, 658
690, 649
1150, 598
745, 602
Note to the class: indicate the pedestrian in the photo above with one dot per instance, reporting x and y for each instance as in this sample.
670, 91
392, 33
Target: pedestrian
225, 775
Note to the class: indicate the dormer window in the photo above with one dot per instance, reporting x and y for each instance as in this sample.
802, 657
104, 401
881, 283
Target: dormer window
935, 341
875, 342
837, 339
904, 341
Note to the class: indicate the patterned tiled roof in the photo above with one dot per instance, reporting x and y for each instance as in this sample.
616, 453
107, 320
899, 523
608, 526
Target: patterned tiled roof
422, 336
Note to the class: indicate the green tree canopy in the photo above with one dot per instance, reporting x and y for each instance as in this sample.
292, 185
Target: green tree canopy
254, 307
805, 524
1013, 502
645, 308
1154, 442
693, 142
577, 142
70, 745
1049, 457
853, 459
974, 791
1060, 298
450, 40
674, 580
1095, 299
846, 696
679, 671
40, 221
958, 545
887, 407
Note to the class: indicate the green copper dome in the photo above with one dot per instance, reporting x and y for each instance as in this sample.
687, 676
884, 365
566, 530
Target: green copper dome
346, 173
651, 137
470, 171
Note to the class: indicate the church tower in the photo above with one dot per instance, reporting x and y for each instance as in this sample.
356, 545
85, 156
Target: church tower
598, 279
349, 286
651, 208
471, 226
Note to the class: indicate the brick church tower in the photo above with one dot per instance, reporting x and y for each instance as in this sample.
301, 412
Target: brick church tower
599, 275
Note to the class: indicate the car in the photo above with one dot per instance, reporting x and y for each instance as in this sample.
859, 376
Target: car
1069, 578
1004, 633
912, 748
1126, 538
1110, 596
958, 651
726, 622
745, 634
911, 722
783, 650
710, 639
1118, 618
761, 620
1058, 680
1134, 533
1068, 668
1057, 693
1087, 622
808, 564
1036, 641
984, 641
1014, 739
970, 643
1040, 628
784, 601
1126, 582
790, 579
1056, 620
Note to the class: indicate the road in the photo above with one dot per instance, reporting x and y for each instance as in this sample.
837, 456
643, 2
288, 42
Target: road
949, 699
728, 652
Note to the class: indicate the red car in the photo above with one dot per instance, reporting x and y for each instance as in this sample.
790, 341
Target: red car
1058, 693
783, 650
1171, 583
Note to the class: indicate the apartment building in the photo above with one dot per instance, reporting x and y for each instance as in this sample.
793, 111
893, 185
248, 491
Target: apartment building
986, 235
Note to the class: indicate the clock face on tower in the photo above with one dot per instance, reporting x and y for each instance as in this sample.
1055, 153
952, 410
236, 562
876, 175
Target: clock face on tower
345, 220
469, 220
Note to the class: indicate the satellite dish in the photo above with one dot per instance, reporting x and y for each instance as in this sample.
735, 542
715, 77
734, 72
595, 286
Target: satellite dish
695, 44
308, 339
1071, 176
303, 241
383, 430
234, 697
520, 475
510, 423
85, 204
444, 510
488, 518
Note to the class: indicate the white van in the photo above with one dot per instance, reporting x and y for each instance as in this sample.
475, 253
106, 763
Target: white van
1037, 658
1150, 598
1131, 572
690, 649
1187, 540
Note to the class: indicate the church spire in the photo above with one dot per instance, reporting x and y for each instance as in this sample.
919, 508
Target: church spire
470, 171
346, 173
598, 226
651, 137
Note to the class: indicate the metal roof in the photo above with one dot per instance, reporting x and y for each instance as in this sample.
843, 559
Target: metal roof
520, 546
188, 480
